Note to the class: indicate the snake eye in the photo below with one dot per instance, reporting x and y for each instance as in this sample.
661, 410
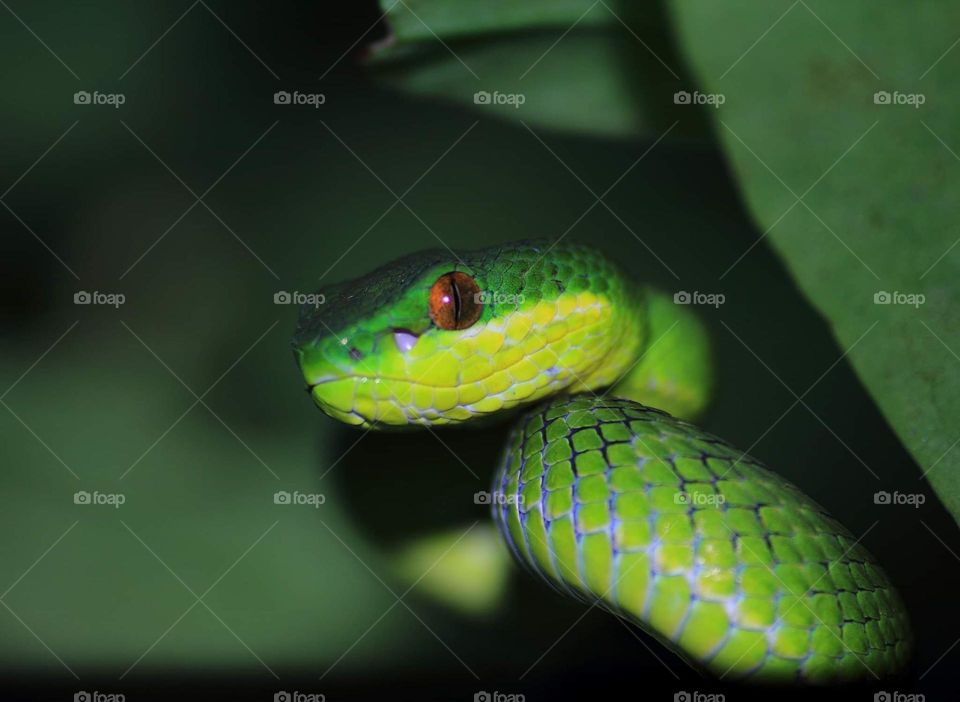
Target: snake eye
455, 301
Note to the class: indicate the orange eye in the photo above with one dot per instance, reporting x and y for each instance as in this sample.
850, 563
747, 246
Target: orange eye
455, 301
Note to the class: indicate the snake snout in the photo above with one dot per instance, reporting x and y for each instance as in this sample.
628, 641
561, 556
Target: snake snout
317, 369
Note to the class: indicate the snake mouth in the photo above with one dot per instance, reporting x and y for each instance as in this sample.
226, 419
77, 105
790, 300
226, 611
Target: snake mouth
349, 398
405, 340
328, 379
324, 380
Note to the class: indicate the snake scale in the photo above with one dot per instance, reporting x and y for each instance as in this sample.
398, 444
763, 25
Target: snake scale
601, 492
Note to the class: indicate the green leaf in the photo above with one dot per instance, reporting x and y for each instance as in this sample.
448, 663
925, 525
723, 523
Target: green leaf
182, 491
417, 20
467, 570
581, 66
841, 128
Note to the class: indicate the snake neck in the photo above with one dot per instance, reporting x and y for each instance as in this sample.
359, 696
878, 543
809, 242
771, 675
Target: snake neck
658, 354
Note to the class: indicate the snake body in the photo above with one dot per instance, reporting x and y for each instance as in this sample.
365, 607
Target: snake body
606, 499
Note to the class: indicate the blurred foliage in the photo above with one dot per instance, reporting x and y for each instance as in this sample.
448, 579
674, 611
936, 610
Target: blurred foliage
465, 569
607, 78
425, 20
293, 202
876, 184
791, 116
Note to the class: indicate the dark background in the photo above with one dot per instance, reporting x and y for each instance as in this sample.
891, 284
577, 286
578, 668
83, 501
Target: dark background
91, 589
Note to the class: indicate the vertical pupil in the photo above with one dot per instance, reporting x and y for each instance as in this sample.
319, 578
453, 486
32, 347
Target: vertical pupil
456, 299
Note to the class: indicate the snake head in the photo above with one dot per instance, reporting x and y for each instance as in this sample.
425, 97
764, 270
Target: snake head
380, 349
437, 338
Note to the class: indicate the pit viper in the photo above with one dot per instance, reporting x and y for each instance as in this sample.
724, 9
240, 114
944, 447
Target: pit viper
605, 490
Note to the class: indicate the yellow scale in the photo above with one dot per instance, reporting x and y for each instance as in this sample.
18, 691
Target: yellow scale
547, 346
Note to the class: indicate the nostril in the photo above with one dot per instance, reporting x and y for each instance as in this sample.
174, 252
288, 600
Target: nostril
405, 339
355, 354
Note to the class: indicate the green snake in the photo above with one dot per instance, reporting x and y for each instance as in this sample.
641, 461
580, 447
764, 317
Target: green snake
605, 498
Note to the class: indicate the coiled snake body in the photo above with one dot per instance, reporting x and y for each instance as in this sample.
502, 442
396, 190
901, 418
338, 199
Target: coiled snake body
605, 498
